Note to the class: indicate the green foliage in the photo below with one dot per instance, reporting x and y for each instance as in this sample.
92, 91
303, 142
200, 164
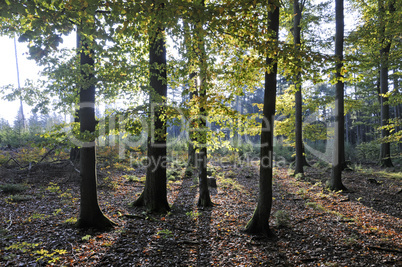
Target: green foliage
23, 246
132, 178
53, 188
282, 218
13, 188
165, 233
86, 238
368, 152
315, 205
193, 214
282, 151
19, 198
50, 257
37, 216
71, 220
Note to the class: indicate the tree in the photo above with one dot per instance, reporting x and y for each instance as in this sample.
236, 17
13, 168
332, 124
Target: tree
339, 145
90, 215
204, 199
259, 223
300, 158
385, 42
154, 196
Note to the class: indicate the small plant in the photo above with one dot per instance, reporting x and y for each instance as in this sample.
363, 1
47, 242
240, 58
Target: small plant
67, 198
13, 188
299, 176
50, 257
315, 206
58, 211
302, 192
19, 198
165, 233
53, 188
22, 246
37, 216
71, 220
132, 178
193, 214
282, 219
86, 237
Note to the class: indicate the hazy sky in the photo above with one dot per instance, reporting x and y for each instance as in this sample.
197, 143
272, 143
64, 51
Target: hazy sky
27, 69
8, 70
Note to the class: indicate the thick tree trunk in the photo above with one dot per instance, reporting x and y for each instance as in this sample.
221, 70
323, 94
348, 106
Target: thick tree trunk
259, 223
90, 214
339, 145
154, 196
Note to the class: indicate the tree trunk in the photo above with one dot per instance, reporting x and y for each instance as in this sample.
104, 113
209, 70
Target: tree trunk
339, 145
90, 214
300, 159
398, 106
154, 196
75, 151
204, 199
191, 149
385, 153
259, 223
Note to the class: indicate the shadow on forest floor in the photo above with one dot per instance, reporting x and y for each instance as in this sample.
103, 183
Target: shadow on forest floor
324, 228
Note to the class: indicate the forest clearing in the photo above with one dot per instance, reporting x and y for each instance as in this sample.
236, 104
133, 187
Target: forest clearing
313, 226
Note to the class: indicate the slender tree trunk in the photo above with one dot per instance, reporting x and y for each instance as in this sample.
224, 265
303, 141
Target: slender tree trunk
75, 151
339, 145
398, 106
204, 199
191, 148
259, 223
385, 153
300, 158
193, 92
90, 215
154, 196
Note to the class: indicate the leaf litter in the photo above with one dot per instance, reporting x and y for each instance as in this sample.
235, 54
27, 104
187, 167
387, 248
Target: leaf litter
361, 227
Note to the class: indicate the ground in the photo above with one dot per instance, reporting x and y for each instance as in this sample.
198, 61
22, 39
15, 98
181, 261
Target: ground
313, 226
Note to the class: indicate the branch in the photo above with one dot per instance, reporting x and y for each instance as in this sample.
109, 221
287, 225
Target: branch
72, 164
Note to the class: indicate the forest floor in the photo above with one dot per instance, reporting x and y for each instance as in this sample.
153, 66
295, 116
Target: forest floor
314, 226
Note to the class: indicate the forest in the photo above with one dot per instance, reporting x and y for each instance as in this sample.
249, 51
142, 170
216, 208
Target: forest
203, 133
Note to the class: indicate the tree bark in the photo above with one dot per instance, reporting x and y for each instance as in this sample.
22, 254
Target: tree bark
204, 199
90, 215
154, 196
339, 145
385, 152
191, 148
259, 223
300, 157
